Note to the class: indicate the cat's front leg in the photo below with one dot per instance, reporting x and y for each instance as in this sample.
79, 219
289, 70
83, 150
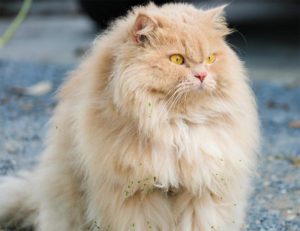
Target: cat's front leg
137, 212
207, 213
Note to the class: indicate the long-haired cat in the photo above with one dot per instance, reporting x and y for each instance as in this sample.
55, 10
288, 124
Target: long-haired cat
156, 130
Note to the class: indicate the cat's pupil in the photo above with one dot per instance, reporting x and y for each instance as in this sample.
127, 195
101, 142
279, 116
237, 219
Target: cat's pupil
143, 38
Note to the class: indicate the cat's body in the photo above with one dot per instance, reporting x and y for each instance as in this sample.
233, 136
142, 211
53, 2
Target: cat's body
137, 142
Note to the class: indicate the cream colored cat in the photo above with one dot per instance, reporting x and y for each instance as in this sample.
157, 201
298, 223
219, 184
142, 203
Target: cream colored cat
156, 130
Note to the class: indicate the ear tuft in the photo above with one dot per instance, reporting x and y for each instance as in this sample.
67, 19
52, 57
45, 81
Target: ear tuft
216, 12
216, 16
142, 27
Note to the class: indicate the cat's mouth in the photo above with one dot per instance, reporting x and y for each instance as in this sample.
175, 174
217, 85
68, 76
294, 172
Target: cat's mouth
199, 87
205, 86
195, 84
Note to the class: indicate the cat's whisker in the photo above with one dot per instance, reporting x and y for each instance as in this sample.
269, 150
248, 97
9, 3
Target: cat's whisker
164, 107
173, 102
180, 90
168, 102
169, 97
237, 49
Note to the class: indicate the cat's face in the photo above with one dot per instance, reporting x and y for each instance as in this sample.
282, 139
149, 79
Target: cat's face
176, 53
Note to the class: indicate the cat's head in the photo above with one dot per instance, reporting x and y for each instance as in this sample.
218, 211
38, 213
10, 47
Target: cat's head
174, 56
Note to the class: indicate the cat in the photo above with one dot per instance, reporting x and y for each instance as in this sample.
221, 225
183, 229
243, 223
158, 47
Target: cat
157, 129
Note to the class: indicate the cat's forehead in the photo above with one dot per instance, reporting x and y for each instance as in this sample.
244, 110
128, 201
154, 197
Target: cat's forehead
184, 28
190, 41
188, 33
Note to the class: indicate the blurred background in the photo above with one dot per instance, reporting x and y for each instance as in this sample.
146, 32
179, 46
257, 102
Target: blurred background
268, 30
55, 35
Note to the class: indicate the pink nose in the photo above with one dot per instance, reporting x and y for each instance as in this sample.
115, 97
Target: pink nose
201, 75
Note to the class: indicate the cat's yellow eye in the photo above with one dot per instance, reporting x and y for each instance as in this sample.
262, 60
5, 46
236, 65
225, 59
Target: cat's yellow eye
177, 59
211, 59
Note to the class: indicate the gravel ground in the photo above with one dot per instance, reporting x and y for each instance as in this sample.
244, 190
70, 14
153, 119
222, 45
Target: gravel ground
275, 204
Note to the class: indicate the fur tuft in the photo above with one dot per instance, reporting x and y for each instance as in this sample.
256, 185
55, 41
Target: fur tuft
17, 207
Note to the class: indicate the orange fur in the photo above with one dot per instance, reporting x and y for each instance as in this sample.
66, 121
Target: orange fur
137, 143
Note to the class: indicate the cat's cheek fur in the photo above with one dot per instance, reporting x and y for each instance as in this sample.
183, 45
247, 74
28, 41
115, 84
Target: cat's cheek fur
209, 85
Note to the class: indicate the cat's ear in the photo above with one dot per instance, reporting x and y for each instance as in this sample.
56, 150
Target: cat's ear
216, 17
143, 26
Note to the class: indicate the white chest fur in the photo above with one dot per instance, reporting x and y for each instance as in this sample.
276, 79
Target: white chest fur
197, 157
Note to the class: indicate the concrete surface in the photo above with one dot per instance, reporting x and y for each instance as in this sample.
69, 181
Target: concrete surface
55, 39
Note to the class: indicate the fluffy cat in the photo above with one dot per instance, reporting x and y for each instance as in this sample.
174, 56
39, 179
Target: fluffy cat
156, 130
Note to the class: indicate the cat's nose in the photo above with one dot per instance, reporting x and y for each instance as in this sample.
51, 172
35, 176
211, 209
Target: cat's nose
201, 75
